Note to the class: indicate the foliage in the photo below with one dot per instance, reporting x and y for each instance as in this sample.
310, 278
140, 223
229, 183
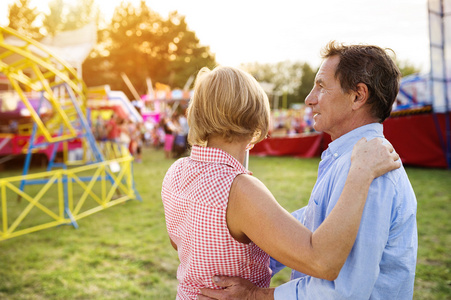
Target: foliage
290, 81
22, 17
407, 68
138, 42
142, 44
283, 75
307, 81
63, 16
67, 15
123, 252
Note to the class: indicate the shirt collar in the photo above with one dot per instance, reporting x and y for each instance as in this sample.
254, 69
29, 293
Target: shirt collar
215, 155
347, 141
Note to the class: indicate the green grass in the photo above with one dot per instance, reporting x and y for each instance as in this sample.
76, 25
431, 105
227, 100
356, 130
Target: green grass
123, 252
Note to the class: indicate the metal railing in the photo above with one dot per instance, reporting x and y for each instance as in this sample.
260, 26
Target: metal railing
64, 196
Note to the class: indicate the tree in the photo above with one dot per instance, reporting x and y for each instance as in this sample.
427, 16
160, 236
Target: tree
306, 83
141, 44
188, 55
53, 22
22, 17
65, 15
80, 13
407, 67
292, 81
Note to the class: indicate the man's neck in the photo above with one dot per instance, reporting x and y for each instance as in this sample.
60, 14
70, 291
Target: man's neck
355, 123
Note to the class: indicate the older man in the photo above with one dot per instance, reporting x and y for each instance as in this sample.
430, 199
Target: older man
353, 94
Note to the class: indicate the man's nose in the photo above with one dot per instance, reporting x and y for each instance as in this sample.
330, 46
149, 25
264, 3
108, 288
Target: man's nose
310, 99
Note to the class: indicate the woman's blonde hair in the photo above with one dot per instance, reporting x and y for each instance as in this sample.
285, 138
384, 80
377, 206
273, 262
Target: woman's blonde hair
229, 103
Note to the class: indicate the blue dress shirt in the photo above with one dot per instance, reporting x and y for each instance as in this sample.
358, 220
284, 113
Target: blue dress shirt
382, 261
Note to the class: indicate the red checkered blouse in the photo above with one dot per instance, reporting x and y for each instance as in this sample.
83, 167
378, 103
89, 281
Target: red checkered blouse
195, 194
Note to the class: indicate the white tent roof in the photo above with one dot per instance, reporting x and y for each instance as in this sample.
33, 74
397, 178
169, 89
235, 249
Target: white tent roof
72, 46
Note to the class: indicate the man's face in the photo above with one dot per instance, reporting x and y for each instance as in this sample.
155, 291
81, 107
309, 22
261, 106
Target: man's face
332, 108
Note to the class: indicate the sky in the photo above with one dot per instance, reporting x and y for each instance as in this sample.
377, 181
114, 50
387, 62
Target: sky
243, 31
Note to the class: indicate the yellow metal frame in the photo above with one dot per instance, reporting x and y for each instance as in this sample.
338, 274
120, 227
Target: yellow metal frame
102, 174
33, 66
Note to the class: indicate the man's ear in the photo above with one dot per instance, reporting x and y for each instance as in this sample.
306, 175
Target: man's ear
361, 95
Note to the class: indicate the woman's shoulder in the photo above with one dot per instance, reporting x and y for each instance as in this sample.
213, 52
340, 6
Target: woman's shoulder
176, 167
247, 188
244, 181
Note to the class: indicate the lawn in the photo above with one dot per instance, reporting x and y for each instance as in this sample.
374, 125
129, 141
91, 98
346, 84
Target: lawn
123, 252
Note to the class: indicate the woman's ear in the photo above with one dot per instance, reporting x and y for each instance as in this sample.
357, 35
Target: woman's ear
361, 95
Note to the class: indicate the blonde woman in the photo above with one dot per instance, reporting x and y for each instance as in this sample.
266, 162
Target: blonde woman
223, 221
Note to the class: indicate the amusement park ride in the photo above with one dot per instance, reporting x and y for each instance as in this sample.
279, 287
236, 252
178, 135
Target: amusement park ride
47, 105
55, 99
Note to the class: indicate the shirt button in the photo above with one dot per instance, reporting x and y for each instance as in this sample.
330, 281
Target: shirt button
335, 155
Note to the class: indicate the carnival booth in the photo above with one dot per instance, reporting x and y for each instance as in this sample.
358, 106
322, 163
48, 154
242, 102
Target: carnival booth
419, 126
104, 102
164, 100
